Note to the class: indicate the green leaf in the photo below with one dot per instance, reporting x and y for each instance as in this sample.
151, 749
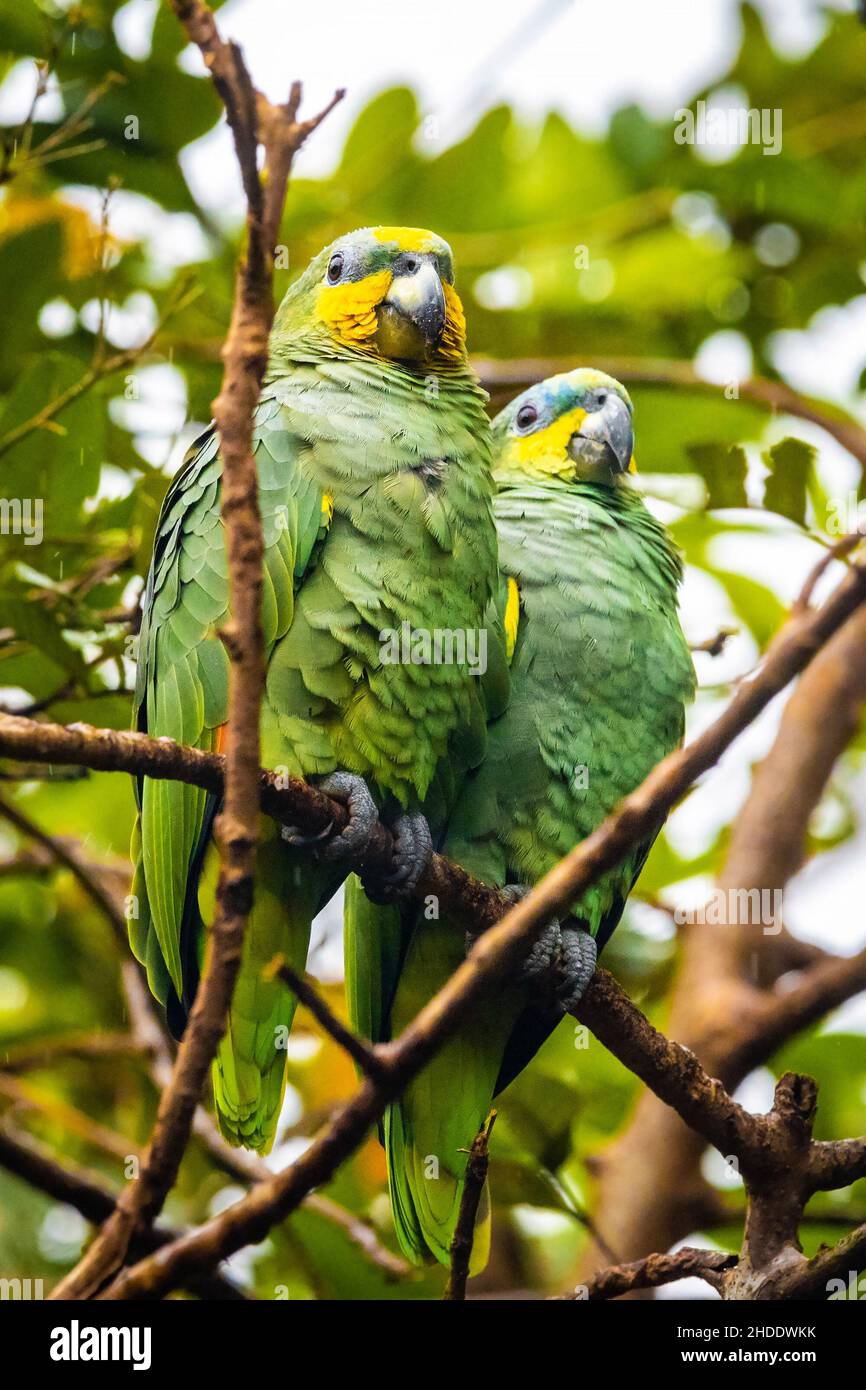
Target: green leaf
761, 611
723, 469
790, 463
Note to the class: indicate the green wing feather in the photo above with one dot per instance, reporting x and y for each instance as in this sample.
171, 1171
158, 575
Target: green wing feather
182, 686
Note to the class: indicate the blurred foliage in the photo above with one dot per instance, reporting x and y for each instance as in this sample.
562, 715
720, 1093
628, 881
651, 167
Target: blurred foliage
626, 245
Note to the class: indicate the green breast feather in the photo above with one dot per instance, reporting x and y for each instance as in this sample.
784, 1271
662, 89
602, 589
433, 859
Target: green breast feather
377, 511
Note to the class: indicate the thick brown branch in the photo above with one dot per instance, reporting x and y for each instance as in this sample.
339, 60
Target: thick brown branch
835, 1163
285, 799
651, 1272
831, 1271
672, 1072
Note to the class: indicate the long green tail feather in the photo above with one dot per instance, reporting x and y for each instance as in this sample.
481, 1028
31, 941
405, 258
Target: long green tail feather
428, 1141
250, 1064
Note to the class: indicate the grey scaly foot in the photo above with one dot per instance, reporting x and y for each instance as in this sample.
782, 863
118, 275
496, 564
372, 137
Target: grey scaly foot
578, 955
353, 839
413, 849
562, 959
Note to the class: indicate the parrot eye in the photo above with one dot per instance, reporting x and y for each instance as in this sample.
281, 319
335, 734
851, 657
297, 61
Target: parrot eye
335, 268
526, 417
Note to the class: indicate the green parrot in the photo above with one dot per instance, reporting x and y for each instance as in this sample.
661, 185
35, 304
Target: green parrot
600, 675
373, 454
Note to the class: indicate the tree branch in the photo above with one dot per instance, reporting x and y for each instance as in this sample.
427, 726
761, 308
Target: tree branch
497, 953
464, 1232
86, 1193
252, 119
651, 1272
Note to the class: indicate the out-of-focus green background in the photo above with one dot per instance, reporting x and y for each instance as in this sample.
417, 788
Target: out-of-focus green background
622, 244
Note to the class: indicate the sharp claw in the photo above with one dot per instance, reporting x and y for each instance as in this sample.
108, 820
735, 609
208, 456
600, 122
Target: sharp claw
413, 847
353, 838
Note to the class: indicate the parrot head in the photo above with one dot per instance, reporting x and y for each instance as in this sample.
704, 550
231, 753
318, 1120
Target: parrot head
386, 291
576, 427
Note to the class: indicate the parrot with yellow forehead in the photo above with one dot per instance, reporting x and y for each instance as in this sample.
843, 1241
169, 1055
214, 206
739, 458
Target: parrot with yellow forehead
373, 456
600, 676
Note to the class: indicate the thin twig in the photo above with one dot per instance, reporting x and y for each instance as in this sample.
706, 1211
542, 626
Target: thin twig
80, 870
363, 1055
462, 1241
45, 417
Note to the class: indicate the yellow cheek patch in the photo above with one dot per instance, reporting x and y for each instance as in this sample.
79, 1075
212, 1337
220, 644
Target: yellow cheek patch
350, 310
453, 342
632, 467
408, 238
512, 617
546, 449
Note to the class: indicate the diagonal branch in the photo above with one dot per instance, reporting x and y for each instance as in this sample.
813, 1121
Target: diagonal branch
495, 956
361, 1053
88, 1195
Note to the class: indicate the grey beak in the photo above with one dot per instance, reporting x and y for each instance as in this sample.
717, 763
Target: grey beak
418, 295
606, 435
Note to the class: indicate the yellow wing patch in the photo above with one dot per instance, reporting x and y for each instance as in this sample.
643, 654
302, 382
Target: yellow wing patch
350, 310
327, 508
408, 238
512, 617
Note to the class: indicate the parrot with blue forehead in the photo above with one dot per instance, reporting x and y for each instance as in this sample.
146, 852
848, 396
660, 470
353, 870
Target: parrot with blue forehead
600, 677
372, 450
